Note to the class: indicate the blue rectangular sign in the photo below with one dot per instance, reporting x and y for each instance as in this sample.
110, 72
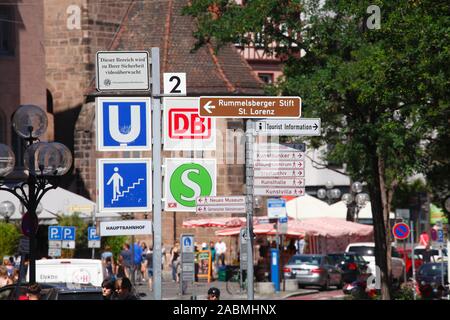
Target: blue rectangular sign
68, 233
283, 219
440, 233
123, 124
276, 203
92, 234
55, 233
124, 185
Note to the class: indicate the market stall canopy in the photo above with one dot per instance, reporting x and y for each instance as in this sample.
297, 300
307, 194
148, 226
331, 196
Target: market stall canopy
306, 207
309, 207
327, 227
268, 229
215, 222
332, 227
339, 210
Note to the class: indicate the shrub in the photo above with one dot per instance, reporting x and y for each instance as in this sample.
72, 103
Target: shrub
9, 239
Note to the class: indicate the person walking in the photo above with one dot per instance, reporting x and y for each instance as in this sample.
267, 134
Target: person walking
149, 264
121, 270
137, 262
4, 278
34, 291
174, 254
213, 294
108, 289
124, 290
127, 258
221, 249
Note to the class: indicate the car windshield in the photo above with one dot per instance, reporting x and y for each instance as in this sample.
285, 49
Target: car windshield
311, 260
336, 258
430, 269
363, 250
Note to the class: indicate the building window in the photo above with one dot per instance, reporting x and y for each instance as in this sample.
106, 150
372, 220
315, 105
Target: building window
266, 77
6, 31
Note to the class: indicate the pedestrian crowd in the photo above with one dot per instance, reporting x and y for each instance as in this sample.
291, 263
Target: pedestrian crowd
217, 252
133, 262
9, 271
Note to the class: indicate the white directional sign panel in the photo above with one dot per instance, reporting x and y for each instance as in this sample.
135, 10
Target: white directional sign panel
282, 172
175, 84
123, 124
124, 185
294, 127
230, 204
279, 156
184, 129
279, 164
185, 180
122, 70
125, 228
276, 191
279, 182
279, 169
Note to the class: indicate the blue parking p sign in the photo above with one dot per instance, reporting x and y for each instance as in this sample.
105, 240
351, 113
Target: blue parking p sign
68, 233
55, 233
123, 124
92, 234
124, 185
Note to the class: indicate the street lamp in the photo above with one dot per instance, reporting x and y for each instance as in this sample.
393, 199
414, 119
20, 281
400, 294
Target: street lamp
45, 163
7, 209
330, 193
355, 200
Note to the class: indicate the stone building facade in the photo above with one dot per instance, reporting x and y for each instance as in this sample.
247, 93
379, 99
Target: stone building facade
22, 66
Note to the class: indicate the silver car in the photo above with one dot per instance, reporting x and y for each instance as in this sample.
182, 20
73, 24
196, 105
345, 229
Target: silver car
313, 270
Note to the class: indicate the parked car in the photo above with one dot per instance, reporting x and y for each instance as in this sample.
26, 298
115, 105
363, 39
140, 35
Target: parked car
434, 254
407, 257
77, 271
54, 291
367, 250
352, 265
429, 280
313, 270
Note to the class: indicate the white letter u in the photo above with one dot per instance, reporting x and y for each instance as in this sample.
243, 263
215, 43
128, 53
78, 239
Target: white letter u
135, 124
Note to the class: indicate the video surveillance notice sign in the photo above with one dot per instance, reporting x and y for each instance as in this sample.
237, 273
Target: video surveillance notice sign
122, 70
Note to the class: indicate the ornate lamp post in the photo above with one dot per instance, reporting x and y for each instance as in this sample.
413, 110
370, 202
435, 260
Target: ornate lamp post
355, 200
45, 163
330, 194
7, 209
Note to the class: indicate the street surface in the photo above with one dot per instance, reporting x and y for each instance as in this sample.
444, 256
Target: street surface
323, 295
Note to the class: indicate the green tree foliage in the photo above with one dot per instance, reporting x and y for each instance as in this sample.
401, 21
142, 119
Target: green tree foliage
115, 243
81, 233
9, 239
382, 94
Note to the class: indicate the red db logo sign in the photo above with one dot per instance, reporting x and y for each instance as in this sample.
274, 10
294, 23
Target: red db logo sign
187, 124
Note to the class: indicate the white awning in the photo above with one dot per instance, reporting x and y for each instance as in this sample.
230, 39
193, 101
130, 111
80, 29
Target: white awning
60, 202
308, 207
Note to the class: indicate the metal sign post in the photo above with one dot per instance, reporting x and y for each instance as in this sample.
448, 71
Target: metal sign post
413, 258
157, 179
249, 143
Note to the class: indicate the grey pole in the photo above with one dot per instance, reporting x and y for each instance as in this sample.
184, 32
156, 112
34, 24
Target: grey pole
249, 143
156, 160
413, 258
94, 225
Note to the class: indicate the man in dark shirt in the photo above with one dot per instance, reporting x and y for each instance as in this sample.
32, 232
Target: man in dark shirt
127, 258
